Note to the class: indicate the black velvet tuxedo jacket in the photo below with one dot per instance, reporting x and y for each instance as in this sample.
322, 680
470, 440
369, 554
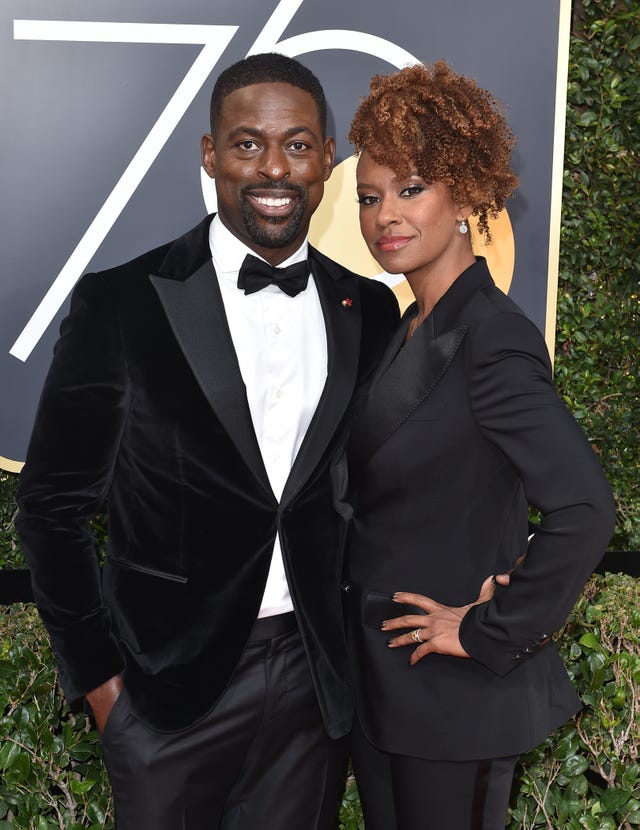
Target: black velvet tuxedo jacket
462, 430
144, 406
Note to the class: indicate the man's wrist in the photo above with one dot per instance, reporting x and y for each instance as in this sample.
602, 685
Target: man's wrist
102, 698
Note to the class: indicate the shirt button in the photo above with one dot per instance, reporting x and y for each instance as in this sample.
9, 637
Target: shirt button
277, 329
279, 393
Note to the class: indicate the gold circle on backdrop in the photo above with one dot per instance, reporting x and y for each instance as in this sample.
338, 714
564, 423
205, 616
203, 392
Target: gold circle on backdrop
9, 465
335, 230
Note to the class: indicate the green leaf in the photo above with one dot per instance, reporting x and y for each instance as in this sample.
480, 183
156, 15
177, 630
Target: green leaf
95, 813
630, 776
590, 641
8, 753
7, 669
587, 118
575, 765
575, 651
81, 787
613, 799
566, 747
82, 751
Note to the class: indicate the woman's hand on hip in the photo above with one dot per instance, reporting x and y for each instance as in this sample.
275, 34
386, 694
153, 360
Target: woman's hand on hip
437, 631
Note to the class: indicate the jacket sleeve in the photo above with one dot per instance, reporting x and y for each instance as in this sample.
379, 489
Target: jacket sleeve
66, 477
517, 408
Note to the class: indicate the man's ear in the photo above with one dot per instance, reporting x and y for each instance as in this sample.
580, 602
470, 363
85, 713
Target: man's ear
329, 156
208, 155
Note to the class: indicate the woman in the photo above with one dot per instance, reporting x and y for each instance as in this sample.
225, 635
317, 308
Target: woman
461, 431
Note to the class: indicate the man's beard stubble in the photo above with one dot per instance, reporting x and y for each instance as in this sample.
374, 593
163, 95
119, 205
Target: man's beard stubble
279, 231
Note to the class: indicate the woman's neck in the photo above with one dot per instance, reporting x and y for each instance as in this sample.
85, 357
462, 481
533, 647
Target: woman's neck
430, 284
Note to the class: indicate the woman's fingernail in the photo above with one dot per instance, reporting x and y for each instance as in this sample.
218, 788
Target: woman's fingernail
389, 642
394, 596
383, 625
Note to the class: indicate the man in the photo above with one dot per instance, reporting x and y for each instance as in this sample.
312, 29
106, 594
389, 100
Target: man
208, 406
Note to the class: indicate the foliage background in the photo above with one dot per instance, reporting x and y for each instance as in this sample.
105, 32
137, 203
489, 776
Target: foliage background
598, 331
587, 775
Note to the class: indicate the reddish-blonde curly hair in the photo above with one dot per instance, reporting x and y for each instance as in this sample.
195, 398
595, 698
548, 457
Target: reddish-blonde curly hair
446, 128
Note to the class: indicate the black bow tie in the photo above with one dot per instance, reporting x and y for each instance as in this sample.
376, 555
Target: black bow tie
255, 274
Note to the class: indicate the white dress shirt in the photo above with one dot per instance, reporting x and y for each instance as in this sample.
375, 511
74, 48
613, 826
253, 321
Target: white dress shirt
281, 345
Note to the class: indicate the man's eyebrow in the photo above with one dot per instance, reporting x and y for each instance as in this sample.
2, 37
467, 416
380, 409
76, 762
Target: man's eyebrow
258, 133
297, 130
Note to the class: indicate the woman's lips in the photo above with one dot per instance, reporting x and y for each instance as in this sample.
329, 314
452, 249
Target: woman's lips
392, 243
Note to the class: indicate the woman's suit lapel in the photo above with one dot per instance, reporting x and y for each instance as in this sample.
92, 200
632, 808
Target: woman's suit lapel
408, 374
402, 386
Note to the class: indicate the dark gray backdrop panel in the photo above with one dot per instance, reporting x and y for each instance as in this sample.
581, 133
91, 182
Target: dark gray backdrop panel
74, 114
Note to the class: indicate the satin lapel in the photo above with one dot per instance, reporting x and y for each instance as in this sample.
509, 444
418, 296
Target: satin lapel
195, 312
408, 380
343, 324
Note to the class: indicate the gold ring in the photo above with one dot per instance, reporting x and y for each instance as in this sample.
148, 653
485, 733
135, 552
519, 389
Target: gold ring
415, 636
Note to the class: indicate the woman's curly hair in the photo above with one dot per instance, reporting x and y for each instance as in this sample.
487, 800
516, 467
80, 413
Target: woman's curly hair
446, 128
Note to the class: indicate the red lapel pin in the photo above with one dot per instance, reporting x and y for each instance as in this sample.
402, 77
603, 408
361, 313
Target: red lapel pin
347, 302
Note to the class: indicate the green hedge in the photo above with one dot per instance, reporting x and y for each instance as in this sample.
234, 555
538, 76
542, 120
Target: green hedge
51, 772
598, 319
586, 775
10, 554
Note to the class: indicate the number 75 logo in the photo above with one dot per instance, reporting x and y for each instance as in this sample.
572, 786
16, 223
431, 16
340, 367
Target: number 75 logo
214, 40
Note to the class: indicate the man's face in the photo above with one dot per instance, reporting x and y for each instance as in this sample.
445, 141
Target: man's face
270, 163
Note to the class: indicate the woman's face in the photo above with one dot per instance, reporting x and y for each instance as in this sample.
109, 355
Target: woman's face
408, 225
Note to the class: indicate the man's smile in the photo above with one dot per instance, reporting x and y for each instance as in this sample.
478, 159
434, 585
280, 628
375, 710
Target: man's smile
271, 202
271, 206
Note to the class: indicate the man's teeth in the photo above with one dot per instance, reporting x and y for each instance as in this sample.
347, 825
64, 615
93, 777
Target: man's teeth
271, 202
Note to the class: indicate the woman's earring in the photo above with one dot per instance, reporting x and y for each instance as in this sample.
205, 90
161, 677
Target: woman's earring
463, 226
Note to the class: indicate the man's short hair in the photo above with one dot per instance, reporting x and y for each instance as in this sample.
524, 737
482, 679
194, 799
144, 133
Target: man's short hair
269, 67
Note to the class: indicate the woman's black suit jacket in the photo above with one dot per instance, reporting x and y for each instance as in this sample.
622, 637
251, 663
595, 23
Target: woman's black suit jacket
462, 429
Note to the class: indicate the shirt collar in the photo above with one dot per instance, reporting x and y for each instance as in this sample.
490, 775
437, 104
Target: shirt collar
228, 252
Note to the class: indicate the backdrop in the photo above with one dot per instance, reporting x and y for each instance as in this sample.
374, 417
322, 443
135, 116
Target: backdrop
103, 105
